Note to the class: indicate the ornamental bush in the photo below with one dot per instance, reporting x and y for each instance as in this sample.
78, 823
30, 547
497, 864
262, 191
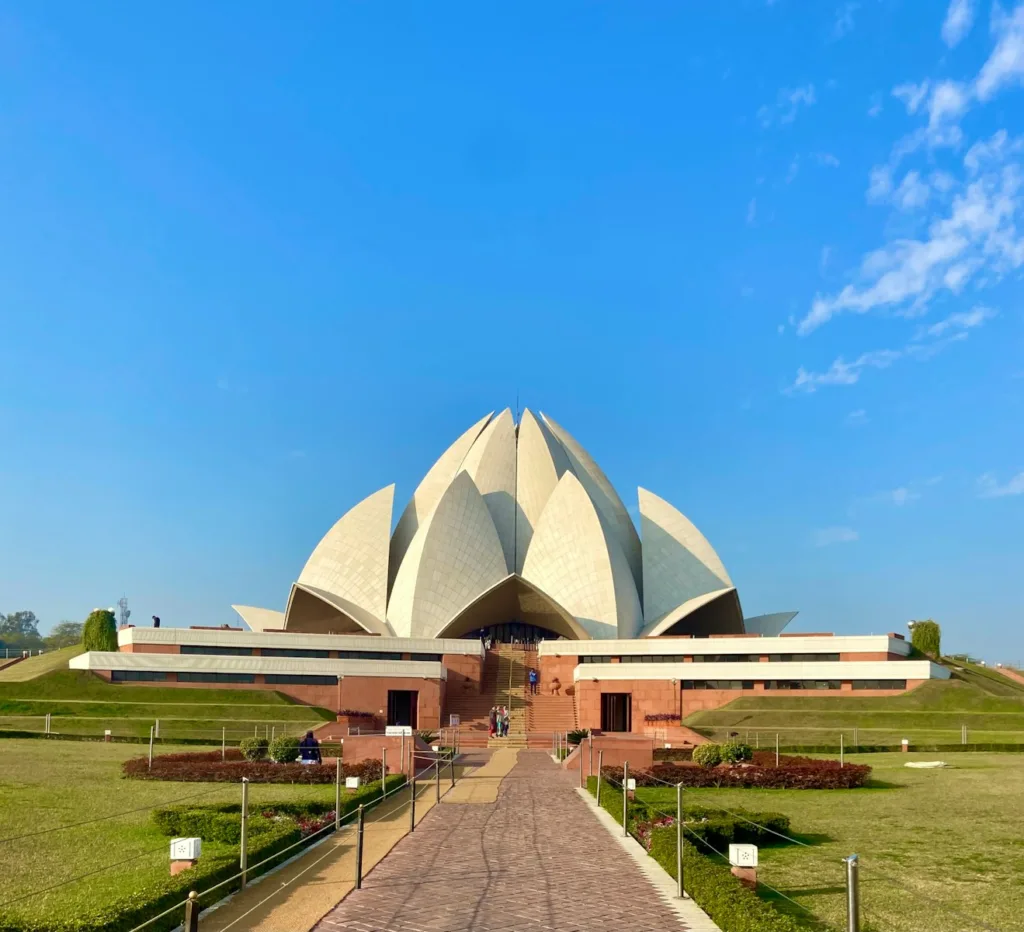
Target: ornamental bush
795, 773
707, 755
580, 734
207, 767
926, 636
254, 749
284, 750
100, 631
735, 751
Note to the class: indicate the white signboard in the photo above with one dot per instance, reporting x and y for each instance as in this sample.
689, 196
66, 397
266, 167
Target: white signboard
454, 720
395, 731
351, 783
630, 784
186, 849
743, 855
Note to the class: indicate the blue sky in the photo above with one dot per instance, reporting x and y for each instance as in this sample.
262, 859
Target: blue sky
761, 258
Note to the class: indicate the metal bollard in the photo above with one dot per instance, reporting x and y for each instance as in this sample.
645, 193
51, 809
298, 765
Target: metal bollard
852, 893
243, 856
625, 800
579, 749
223, 744
150, 747
156, 728
191, 913
680, 892
776, 749
600, 761
590, 741
842, 750
384, 773
451, 766
437, 778
359, 848
337, 793
412, 801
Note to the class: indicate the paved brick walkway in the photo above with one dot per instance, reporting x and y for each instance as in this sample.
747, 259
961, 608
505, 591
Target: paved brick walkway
537, 859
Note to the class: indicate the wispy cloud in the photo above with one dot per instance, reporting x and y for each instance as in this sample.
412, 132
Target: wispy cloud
827, 159
988, 487
1006, 63
835, 535
856, 418
843, 24
824, 258
911, 94
788, 102
958, 22
752, 211
926, 344
876, 105
794, 169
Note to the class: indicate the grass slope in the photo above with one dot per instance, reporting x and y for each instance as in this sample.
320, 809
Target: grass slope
933, 713
83, 704
39, 665
931, 842
45, 785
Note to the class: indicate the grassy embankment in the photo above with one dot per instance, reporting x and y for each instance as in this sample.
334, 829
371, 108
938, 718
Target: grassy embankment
933, 843
989, 704
82, 704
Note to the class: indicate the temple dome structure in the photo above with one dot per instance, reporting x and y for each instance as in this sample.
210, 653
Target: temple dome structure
514, 523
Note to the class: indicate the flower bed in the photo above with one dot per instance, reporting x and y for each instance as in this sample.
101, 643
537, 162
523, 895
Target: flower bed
208, 767
793, 773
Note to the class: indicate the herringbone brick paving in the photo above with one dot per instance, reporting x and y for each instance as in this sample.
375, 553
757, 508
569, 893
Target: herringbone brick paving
537, 859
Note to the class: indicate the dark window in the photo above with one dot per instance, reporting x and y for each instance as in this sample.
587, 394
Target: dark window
595, 659
402, 707
436, 658
718, 684
808, 658
222, 651
290, 652
651, 658
216, 678
879, 684
726, 658
368, 655
128, 676
803, 684
300, 680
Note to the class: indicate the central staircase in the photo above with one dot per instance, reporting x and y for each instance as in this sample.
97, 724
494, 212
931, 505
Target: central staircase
503, 683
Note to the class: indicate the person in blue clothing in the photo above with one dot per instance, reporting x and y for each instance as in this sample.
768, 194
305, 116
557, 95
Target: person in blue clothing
533, 681
309, 750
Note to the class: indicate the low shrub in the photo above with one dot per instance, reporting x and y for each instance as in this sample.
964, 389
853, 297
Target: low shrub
578, 735
663, 754
707, 755
254, 748
734, 752
284, 750
208, 824
787, 776
662, 717
209, 768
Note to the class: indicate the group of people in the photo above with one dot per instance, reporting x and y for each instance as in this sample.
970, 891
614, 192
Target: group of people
498, 722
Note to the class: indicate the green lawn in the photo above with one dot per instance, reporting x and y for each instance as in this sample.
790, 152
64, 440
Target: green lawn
927, 840
933, 714
82, 704
45, 785
40, 664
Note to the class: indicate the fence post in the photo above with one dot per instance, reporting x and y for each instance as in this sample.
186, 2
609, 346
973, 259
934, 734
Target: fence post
273, 733
150, 747
600, 761
856, 739
192, 913
625, 800
437, 777
337, 792
156, 729
243, 857
852, 893
842, 750
223, 743
384, 773
359, 849
590, 771
451, 766
776, 749
412, 800
680, 893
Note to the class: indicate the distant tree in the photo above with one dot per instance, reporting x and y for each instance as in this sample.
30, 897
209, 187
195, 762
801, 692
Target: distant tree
20, 623
66, 634
100, 631
926, 636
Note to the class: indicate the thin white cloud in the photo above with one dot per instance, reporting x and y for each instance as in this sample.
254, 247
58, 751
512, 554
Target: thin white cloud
826, 255
958, 22
949, 100
912, 192
826, 159
842, 372
966, 320
835, 535
876, 105
788, 102
901, 496
843, 24
752, 211
794, 169
988, 487
911, 94
879, 183
1006, 63
857, 418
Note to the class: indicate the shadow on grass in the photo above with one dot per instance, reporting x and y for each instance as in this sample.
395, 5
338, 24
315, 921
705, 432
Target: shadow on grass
873, 784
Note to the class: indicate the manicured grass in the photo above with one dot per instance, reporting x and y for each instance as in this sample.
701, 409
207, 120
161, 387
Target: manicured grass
40, 664
928, 839
48, 784
82, 704
933, 714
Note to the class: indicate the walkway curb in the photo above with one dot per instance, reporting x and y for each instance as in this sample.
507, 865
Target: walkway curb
693, 917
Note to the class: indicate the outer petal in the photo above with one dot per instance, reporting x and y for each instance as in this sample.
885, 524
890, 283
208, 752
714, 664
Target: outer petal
428, 493
454, 558
351, 561
317, 611
711, 613
679, 563
491, 464
576, 560
260, 619
605, 497
541, 462
768, 626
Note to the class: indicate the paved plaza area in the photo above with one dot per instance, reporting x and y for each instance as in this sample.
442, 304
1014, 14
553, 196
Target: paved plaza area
533, 856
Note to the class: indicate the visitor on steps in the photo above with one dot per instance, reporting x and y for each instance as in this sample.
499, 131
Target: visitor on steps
309, 750
504, 721
533, 681
492, 722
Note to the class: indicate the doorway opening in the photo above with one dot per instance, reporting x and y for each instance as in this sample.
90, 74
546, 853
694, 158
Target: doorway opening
616, 711
402, 704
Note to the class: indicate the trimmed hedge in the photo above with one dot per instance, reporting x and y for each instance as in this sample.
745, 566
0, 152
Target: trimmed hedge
713, 888
284, 750
254, 749
208, 767
707, 755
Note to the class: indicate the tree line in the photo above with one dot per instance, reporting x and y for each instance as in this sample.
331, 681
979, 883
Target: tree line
20, 631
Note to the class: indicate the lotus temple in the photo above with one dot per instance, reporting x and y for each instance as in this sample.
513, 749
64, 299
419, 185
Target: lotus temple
515, 551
